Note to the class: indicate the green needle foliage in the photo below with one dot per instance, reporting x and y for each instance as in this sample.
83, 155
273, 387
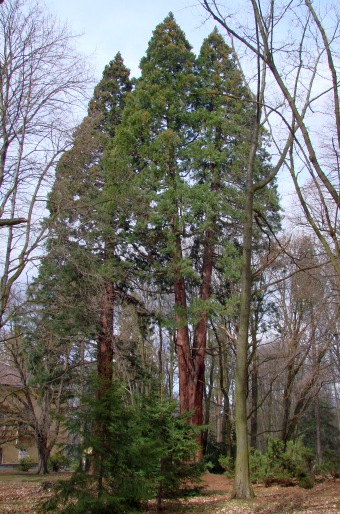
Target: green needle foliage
83, 238
148, 450
282, 464
148, 203
183, 141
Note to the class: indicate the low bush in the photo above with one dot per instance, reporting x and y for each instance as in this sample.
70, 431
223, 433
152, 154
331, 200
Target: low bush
258, 465
57, 461
305, 481
292, 464
227, 464
280, 463
330, 465
25, 464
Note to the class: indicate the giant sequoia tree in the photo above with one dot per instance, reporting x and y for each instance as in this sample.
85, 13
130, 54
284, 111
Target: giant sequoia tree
183, 139
153, 241
81, 217
82, 258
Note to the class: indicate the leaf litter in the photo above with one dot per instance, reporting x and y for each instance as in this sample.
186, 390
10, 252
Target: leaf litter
22, 497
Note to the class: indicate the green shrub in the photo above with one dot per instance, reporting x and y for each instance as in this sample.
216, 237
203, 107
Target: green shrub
25, 464
74, 465
280, 463
228, 466
258, 465
57, 461
77, 496
298, 458
139, 451
305, 481
330, 465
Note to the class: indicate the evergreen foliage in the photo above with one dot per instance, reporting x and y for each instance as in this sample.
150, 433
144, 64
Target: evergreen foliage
183, 142
82, 234
25, 464
58, 461
280, 463
147, 451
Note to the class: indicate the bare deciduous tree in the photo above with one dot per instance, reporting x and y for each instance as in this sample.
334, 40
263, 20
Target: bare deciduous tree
42, 78
291, 45
298, 42
35, 407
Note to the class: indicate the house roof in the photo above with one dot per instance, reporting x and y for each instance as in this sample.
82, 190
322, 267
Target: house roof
9, 376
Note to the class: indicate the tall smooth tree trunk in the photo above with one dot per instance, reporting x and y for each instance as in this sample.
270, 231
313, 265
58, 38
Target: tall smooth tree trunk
242, 484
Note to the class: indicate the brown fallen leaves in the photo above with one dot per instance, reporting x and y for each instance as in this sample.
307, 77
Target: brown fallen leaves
21, 496
323, 498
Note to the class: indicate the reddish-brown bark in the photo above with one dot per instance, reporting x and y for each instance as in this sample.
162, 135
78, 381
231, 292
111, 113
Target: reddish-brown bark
191, 359
104, 368
105, 340
183, 339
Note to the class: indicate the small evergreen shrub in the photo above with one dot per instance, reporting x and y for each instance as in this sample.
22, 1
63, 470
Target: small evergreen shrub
58, 461
228, 466
298, 458
25, 464
139, 451
305, 481
258, 465
331, 464
282, 464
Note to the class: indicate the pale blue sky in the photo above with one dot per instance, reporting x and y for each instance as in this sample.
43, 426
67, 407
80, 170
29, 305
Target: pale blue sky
109, 26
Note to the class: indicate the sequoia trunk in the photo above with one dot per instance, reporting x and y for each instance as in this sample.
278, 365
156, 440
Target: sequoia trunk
105, 340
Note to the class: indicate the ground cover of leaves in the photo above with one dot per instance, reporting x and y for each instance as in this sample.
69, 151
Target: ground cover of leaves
20, 494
